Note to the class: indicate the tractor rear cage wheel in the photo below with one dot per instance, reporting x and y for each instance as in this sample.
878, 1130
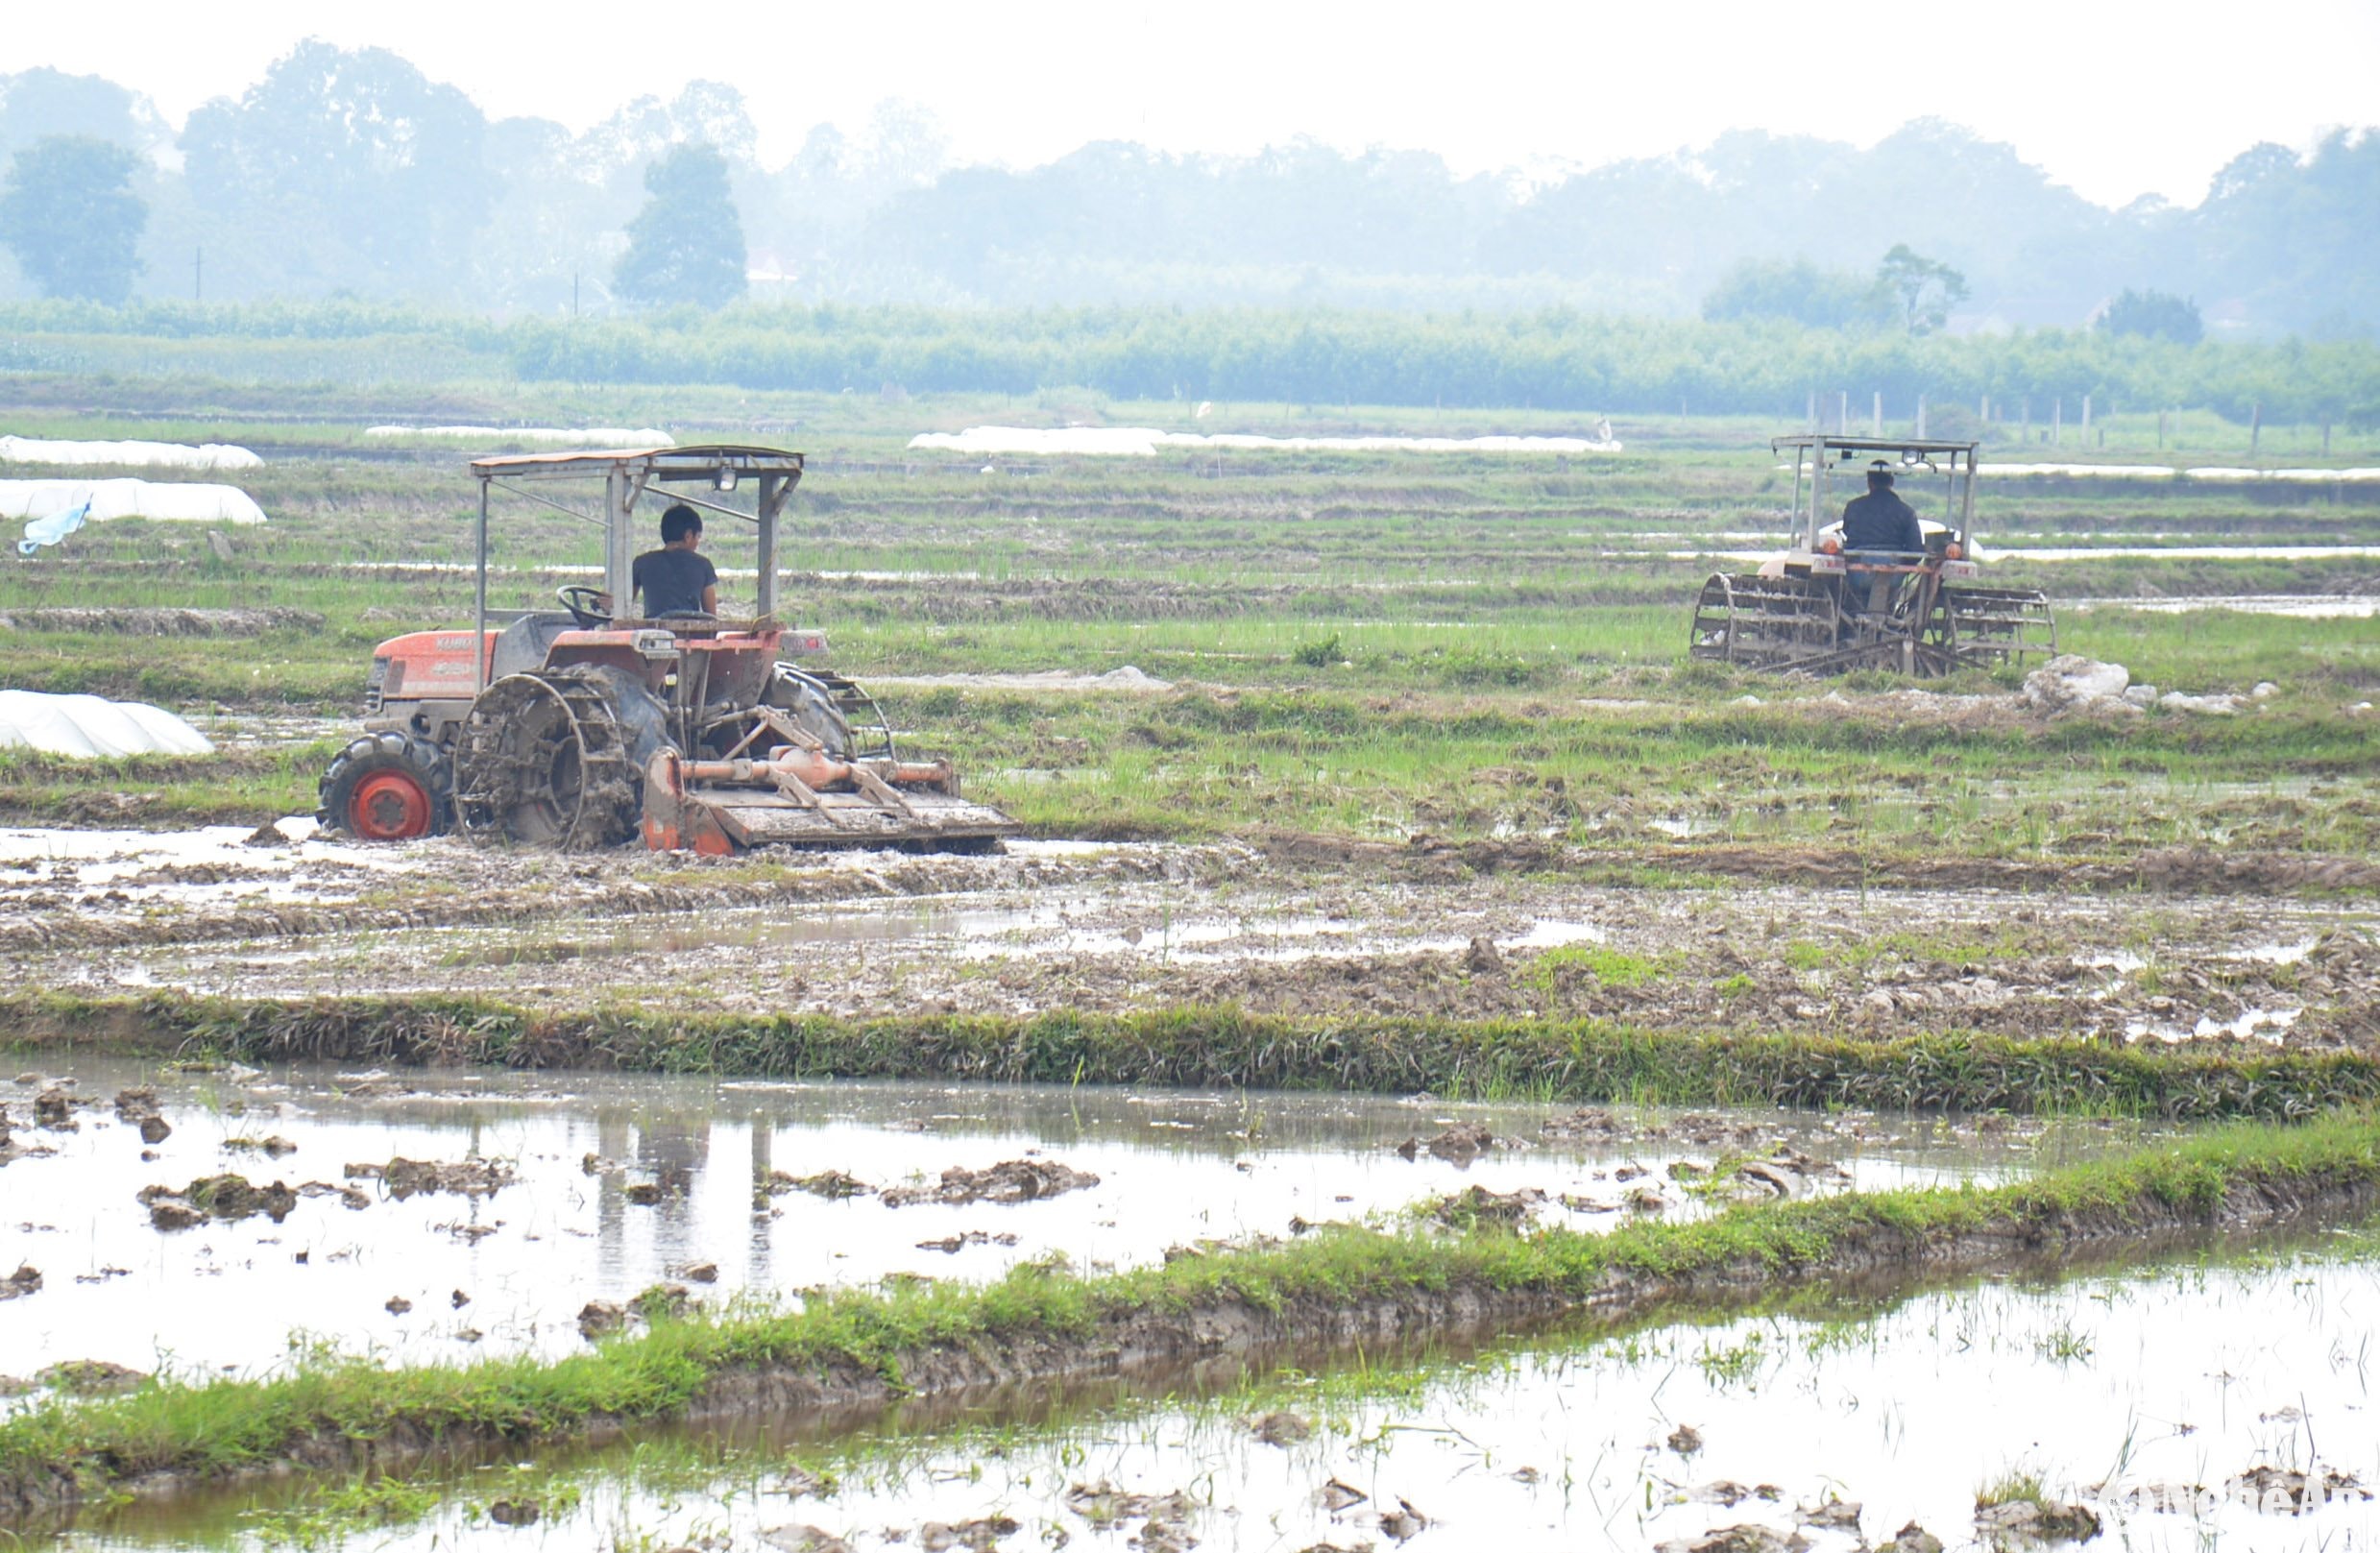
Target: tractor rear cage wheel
499, 787
871, 736
1763, 622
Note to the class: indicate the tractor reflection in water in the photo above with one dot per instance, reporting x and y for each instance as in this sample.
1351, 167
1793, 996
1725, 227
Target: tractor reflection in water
573, 729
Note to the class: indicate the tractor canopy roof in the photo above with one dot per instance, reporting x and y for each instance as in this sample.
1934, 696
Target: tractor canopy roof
652, 463
1844, 450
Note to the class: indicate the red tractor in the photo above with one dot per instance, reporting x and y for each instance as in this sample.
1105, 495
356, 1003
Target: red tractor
577, 729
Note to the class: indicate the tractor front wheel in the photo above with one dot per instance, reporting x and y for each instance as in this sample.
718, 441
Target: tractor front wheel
387, 786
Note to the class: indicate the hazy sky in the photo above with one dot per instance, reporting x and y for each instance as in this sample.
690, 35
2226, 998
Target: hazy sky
2115, 99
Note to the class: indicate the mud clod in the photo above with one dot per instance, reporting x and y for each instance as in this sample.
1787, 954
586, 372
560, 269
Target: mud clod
89, 1377
803, 1540
1748, 1537
2279, 1488
516, 1512
353, 1201
1835, 1514
1103, 1504
25, 1280
2021, 1522
54, 1109
226, 1197
1910, 1538
1011, 1180
981, 1534
1337, 1496
827, 1183
599, 1317
1404, 1523
1460, 1143
959, 1242
1477, 1205
272, 1147
398, 1305
402, 1179
1686, 1440
1283, 1428
1586, 1122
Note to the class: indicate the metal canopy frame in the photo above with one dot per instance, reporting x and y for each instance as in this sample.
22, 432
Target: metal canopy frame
626, 474
1954, 461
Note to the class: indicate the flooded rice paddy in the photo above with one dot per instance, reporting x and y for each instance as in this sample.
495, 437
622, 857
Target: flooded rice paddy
528, 1196
2218, 1398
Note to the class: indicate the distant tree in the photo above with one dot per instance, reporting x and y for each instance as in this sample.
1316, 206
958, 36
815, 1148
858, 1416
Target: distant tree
1924, 289
68, 213
2158, 314
342, 169
687, 244
1801, 291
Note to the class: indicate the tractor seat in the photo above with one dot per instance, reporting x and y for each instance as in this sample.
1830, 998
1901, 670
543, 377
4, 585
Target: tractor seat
524, 644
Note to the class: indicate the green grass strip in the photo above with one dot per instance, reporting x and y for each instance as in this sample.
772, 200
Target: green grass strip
328, 1411
1221, 1046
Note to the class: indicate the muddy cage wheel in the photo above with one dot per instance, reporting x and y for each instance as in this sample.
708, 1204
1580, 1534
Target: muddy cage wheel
387, 786
542, 761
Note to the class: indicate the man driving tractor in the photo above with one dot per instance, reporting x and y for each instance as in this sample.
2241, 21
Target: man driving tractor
676, 580
1879, 521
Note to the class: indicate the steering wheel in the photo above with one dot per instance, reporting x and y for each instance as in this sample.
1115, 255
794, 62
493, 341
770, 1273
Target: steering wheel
585, 604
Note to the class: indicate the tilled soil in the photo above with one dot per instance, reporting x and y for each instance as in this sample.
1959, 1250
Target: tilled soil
1296, 927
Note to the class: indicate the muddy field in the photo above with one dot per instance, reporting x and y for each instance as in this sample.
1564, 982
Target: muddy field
1342, 752
1111, 927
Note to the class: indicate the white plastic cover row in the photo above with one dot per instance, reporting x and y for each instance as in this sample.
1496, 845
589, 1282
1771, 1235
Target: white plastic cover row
126, 498
88, 725
151, 454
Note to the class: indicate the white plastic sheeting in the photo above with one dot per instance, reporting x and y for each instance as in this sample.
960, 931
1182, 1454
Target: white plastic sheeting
88, 725
1142, 442
151, 454
543, 436
158, 500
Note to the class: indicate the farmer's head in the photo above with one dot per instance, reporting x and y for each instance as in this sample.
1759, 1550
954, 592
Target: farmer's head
681, 524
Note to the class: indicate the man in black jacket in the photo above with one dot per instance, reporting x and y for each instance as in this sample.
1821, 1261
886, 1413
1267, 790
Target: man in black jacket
1880, 521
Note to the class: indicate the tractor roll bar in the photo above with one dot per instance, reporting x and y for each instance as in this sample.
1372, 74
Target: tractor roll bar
626, 474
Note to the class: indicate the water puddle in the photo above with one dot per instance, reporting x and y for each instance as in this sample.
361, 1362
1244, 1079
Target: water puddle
131, 869
2293, 606
605, 1186
2173, 1402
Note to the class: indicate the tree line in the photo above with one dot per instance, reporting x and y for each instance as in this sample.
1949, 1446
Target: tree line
350, 171
1552, 358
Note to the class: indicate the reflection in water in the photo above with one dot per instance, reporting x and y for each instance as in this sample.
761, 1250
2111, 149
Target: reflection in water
1172, 1167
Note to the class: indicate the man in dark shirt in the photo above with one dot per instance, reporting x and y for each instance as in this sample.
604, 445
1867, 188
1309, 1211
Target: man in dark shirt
1880, 521
675, 579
